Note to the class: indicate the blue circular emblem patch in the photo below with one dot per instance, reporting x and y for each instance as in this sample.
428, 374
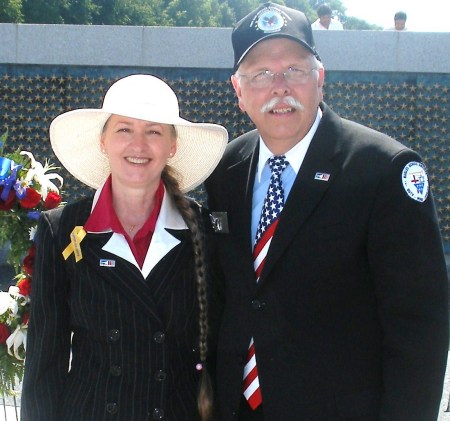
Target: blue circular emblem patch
270, 20
415, 181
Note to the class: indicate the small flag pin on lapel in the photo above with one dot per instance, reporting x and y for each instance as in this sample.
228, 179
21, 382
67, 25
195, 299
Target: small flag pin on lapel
107, 263
322, 176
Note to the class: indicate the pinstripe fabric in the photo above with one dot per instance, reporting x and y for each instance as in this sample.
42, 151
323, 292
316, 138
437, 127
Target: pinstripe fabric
134, 346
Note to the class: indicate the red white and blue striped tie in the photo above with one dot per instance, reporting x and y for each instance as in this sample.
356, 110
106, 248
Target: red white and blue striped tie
272, 207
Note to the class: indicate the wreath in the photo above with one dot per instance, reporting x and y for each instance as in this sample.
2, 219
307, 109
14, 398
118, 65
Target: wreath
27, 188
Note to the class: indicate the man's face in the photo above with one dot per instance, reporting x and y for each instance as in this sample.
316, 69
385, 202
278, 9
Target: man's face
325, 20
282, 125
400, 24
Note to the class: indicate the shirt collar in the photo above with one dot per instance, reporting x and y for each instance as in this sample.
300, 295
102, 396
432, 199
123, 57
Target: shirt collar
295, 155
103, 217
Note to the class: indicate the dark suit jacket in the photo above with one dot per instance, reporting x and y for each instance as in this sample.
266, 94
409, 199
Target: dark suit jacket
135, 340
349, 317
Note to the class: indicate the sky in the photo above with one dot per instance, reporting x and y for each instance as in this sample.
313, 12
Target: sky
423, 15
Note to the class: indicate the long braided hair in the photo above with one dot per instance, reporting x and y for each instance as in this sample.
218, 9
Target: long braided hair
194, 223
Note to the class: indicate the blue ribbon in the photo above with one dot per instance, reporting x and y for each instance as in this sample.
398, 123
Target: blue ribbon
5, 165
34, 215
10, 181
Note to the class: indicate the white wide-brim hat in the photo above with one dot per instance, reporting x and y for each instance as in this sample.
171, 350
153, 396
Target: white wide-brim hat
75, 135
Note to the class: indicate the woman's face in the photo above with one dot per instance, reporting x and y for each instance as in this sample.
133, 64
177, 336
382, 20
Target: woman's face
137, 150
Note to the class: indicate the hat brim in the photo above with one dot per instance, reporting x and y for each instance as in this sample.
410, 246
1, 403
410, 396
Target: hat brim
75, 139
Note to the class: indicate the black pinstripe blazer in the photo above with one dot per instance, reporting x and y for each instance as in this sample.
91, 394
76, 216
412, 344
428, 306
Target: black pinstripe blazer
135, 341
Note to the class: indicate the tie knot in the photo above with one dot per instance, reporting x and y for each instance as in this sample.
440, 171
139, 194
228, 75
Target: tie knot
277, 164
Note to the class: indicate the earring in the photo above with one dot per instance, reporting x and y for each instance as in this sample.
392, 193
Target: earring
171, 154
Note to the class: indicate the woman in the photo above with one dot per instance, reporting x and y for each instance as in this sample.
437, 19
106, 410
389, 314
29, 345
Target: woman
119, 322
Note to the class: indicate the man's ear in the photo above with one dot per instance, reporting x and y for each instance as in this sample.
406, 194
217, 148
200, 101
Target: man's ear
237, 90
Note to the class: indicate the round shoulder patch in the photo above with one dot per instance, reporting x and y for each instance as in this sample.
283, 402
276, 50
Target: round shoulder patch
415, 181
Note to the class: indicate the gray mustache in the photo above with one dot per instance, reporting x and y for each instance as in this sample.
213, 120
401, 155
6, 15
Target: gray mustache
288, 100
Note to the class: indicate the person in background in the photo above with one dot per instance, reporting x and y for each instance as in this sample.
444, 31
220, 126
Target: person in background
399, 22
122, 317
335, 277
326, 21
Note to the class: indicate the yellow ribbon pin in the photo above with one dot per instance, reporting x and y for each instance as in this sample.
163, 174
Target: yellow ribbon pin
76, 237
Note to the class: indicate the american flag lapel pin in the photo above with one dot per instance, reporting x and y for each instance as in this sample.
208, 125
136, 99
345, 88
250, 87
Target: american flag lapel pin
107, 263
322, 176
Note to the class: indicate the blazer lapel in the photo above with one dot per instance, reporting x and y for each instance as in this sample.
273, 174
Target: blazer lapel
317, 173
241, 205
123, 272
162, 240
122, 275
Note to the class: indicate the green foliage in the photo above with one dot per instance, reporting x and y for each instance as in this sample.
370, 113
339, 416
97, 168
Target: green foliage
44, 11
192, 13
11, 11
242, 8
359, 24
10, 374
304, 6
14, 306
80, 12
129, 12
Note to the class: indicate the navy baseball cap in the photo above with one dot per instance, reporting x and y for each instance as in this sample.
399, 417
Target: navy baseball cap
268, 21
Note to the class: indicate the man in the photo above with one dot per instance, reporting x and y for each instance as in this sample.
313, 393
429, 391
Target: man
346, 316
399, 22
326, 20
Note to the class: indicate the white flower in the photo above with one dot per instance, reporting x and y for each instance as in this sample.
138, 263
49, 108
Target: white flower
16, 340
14, 307
33, 232
14, 291
5, 302
16, 299
38, 173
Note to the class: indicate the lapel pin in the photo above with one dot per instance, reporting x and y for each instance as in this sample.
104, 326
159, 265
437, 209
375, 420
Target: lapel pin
322, 176
219, 221
107, 263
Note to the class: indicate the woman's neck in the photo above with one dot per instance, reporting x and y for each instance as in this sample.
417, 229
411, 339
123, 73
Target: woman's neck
133, 207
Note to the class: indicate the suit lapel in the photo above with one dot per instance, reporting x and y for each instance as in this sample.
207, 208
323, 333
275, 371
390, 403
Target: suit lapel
122, 271
122, 275
240, 178
308, 189
241, 204
162, 240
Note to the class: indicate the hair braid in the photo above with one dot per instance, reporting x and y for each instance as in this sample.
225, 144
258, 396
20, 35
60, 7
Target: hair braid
195, 225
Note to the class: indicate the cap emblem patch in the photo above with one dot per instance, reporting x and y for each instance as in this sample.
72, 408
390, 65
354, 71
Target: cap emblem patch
269, 20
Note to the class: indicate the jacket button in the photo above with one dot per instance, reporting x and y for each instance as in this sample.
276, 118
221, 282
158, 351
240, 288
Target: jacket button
159, 337
160, 375
114, 335
158, 414
112, 408
115, 370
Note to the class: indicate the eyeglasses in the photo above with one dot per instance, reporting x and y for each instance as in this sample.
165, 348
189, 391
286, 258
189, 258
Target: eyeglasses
264, 79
